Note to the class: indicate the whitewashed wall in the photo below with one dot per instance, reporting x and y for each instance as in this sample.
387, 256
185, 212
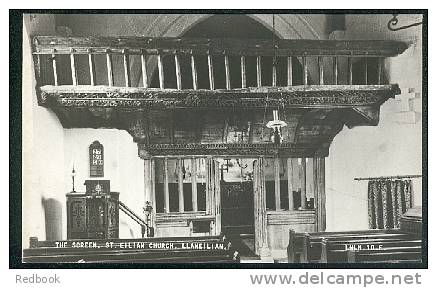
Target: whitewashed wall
394, 147
43, 144
122, 167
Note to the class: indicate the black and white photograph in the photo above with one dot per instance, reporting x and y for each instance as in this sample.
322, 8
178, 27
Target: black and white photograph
223, 138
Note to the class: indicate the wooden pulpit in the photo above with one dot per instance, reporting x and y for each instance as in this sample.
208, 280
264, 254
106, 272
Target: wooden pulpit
93, 214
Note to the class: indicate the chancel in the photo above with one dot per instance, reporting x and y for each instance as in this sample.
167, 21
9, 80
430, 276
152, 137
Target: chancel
221, 138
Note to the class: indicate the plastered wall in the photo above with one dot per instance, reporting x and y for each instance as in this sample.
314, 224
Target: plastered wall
392, 148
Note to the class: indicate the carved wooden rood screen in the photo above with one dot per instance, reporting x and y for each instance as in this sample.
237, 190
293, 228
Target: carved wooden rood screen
106, 82
202, 98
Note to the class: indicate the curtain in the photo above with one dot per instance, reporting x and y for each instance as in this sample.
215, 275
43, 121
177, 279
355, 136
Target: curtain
388, 200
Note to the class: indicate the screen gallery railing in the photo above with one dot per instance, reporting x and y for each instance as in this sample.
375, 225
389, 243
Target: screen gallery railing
240, 65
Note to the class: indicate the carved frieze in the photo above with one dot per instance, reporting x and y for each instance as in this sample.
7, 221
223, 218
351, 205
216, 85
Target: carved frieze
145, 151
294, 96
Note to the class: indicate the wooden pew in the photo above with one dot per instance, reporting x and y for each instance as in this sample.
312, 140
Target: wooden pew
336, 250
398, 254
307, 247
312, 245
215, 249
301, 243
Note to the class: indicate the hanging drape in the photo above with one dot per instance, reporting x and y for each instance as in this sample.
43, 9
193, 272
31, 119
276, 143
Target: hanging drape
388, 200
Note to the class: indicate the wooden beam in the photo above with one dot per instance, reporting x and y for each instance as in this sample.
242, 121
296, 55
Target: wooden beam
290, 184
149, 193
181, 185
315, 182
161, 72
126, 68
315, 96
349, 71
144, 69
227, 73
260, 211
194, 183
73, 68
243, 71
109, 68
178, 72
274, 72
320, 62
258, 71
365, 70
166, 191
309, 177
55, 71
379, 72
92, 67
289, 71
335, 70
252, 47
209, 184
38, 70
303, 196
229, 149
217, 198
305, 71
322, 194
277, 184
211, 72
194, 72
153, 187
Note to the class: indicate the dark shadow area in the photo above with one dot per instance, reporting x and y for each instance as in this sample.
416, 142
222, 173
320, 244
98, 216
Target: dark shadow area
53, 218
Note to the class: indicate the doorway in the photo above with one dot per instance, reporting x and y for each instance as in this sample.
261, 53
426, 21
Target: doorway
237, 207
237, 204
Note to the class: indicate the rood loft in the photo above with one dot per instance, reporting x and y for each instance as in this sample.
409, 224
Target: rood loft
199, 108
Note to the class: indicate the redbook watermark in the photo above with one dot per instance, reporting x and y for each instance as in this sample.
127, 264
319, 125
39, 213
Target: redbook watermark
37, 279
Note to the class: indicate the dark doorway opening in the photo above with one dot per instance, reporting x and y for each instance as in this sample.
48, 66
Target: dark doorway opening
238, 216
237, 207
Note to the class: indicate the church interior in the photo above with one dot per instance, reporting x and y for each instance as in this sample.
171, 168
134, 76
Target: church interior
271, 138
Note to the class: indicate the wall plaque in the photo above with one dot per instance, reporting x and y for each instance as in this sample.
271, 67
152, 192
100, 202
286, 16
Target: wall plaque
96, 159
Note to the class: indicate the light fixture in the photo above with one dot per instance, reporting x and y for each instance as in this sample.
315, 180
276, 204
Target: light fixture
276, 125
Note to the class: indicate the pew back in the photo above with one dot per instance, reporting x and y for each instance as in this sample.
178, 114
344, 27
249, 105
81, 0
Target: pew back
333, 246
150, 250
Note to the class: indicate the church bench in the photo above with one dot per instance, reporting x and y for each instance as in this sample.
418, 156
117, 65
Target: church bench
307, 247
312, 245
387, 255
189, 256
295, 249
176, 249
335, 251
35, 243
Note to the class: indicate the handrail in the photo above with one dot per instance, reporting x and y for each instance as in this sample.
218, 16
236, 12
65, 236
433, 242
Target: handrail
215, 50
263, 47
123, 207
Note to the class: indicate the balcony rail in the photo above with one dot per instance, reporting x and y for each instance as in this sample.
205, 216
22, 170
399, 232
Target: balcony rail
277, 51
92, 67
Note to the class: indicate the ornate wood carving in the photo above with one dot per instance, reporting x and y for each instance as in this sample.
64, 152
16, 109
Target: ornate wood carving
282, 47
324, 96
146, 151
260, 210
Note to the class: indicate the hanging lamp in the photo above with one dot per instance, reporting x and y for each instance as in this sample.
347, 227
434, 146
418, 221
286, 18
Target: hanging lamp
276, 125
